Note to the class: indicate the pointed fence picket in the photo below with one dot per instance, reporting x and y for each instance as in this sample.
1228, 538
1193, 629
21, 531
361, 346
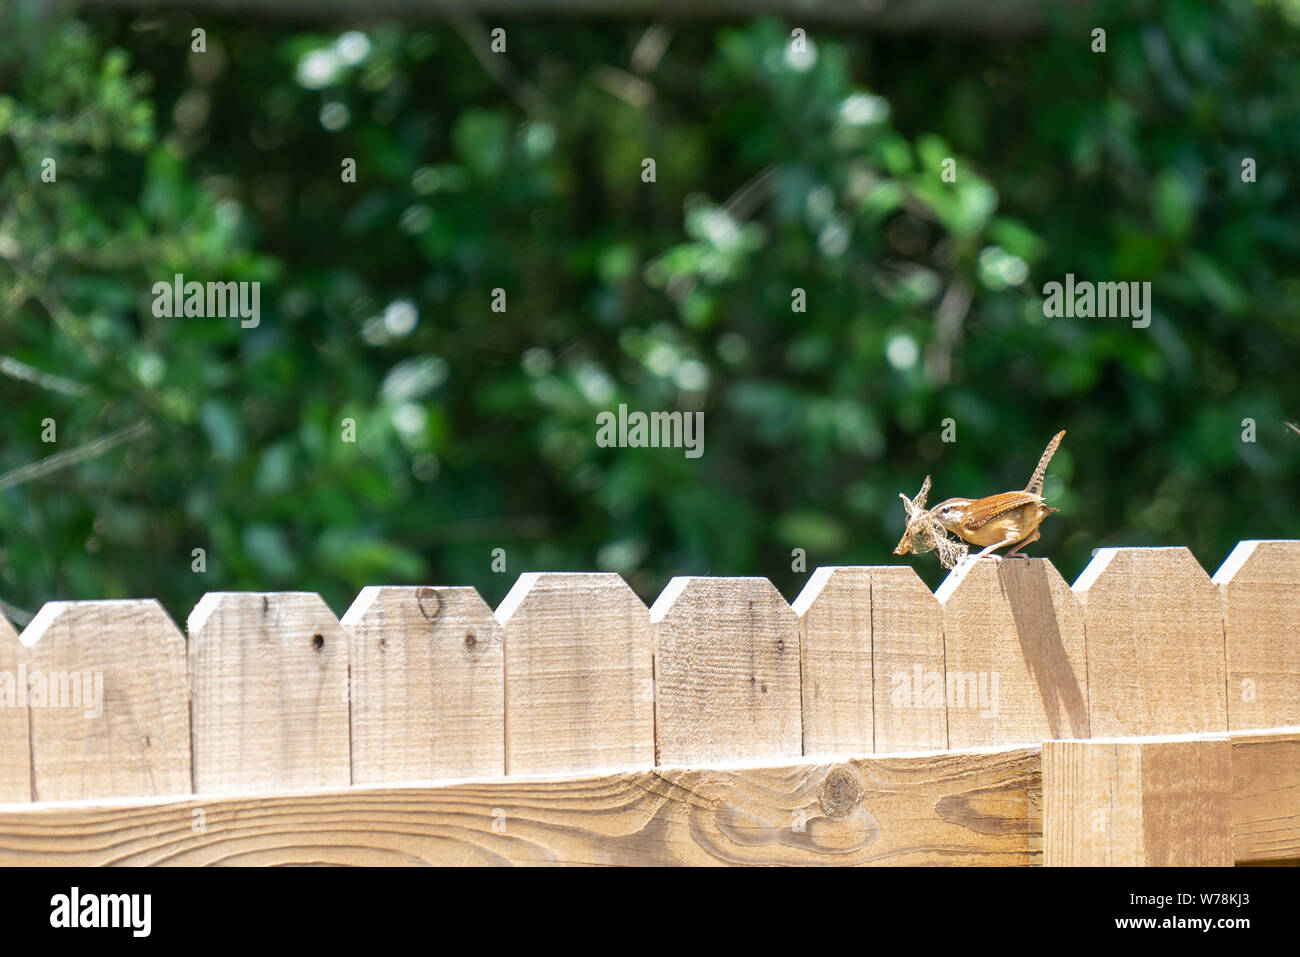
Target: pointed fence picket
108, 701
1014, 653
1261, 622
579, 674
726, 672
1154, 626
15, 743
873, 662
270, 683
428, 687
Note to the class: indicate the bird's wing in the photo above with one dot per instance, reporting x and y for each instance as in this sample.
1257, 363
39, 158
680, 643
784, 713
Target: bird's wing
984, 510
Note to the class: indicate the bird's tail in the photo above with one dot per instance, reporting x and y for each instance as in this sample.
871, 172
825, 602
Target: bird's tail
1036, 480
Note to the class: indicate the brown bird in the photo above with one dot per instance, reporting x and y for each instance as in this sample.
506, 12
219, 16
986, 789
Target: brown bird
1011, 518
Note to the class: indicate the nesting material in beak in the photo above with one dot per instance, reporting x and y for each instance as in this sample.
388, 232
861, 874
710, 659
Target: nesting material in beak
924, 533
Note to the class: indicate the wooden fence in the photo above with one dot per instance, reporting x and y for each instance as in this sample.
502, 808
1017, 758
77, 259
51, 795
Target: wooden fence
1147, 715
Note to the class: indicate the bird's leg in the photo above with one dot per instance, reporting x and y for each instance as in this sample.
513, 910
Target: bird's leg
1015, 552
1009, 540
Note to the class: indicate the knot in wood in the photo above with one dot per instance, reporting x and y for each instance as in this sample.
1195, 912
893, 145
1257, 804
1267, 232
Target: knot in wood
839, 792
429, 602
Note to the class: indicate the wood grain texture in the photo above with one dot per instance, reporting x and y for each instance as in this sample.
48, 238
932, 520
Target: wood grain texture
428, 690
1260, 587
1154, 627
906, 642
114, 718
973, 808
579, 674
1266, 795
1147, 803
1014, 652
270, 684
727, 683
870, 638
15, 744
834, 612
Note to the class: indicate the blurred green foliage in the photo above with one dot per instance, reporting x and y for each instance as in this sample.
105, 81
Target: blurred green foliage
775, 170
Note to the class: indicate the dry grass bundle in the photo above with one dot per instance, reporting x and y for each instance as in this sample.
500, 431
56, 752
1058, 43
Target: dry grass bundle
924, 534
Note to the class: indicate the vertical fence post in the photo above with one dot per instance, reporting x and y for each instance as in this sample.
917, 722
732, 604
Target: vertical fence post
1146, 803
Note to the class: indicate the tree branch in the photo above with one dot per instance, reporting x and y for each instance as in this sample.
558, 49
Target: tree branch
62, 460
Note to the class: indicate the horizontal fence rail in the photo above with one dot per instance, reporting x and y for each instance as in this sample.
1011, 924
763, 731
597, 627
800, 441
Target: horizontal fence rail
871, 721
